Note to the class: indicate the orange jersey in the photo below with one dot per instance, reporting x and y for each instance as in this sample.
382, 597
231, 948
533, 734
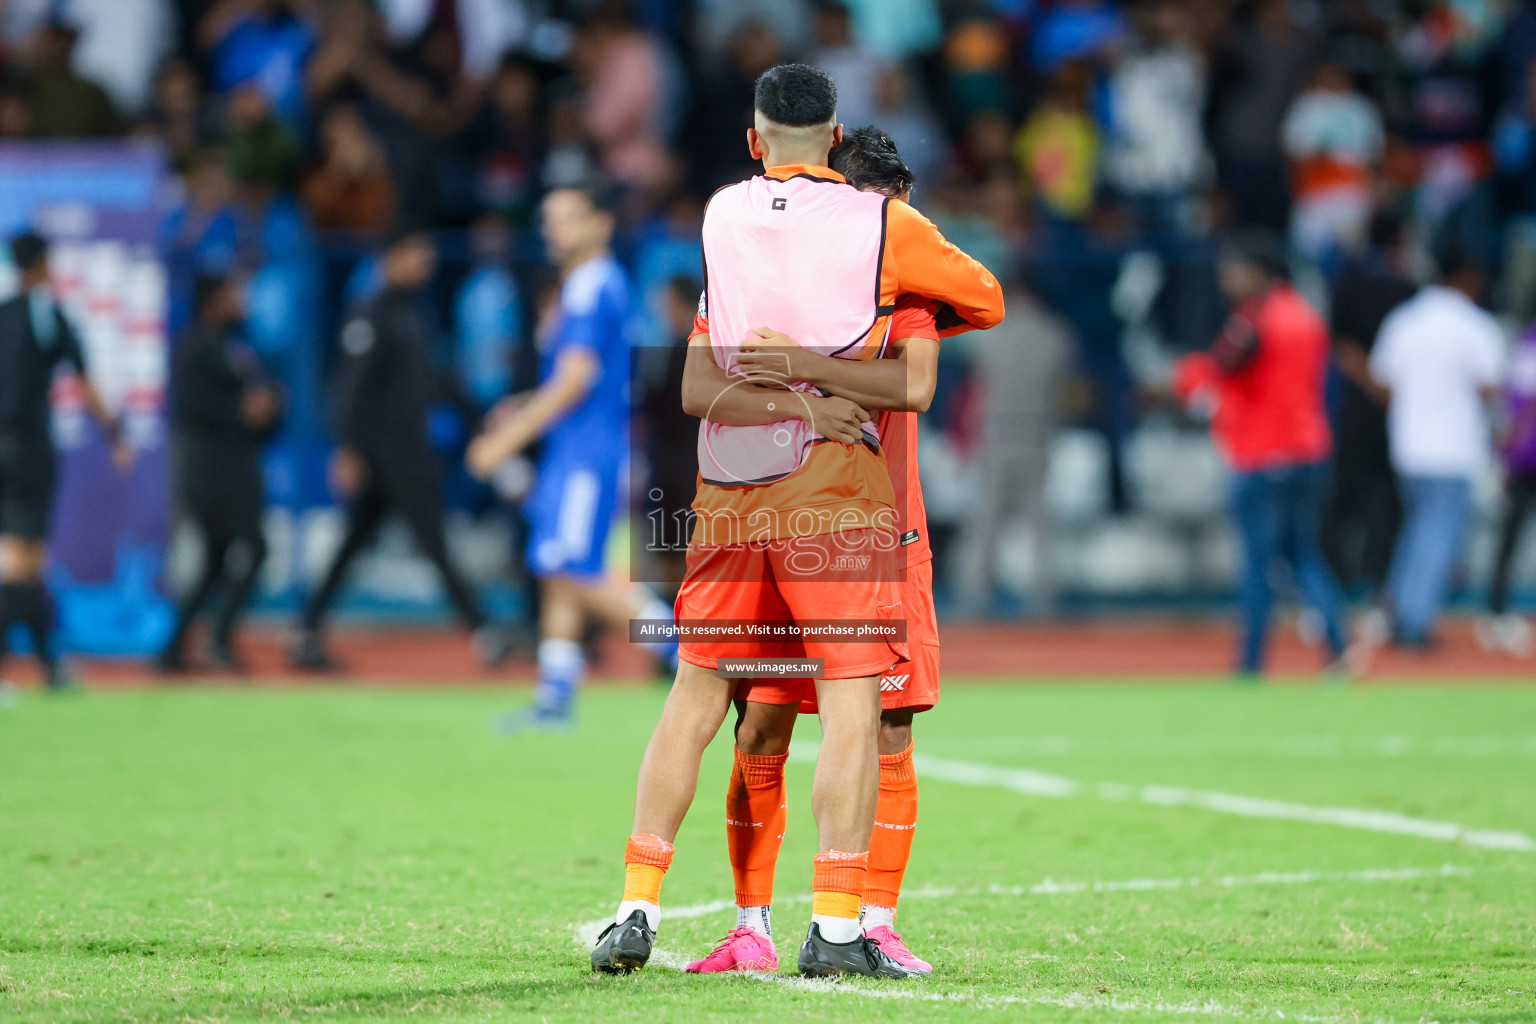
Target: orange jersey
838, 487
914, 318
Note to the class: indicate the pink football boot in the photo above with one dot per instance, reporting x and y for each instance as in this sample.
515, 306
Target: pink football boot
889, 941
742, 950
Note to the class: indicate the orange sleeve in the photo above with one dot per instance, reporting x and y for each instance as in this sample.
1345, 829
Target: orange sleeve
915, 317
700, 326
920, 260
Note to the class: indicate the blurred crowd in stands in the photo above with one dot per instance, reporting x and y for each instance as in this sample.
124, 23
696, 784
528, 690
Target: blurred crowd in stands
1093, 153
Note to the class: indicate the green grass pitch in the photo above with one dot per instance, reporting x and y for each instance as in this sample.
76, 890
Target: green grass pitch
336, 854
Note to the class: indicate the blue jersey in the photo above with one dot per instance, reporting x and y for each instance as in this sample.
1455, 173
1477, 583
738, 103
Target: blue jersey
593, 310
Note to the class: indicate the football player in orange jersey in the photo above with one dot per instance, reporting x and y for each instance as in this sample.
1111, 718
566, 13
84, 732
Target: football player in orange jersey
899, 386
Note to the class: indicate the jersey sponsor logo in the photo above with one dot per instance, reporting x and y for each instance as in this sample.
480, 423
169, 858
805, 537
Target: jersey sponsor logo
780, 204
910, 537
893, 683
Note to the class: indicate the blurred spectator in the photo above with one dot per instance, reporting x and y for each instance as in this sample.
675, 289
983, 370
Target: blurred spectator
666, 246
64, 104
985, 152
1501, 630
1076, 30
488, 315
625, 97
488, 28
264, 43
977, 74
1334, 137
723, 107
1155, 153
509, 139
15, 113
262, 151
1261, 64
854, 67
1364, 512
350, 189
1264, 378
1058, 147
1452, 100
721, 22
202, 235
1440, 358
179, 115
1514, 152
901, 112
1021, 364
896, 28
121, 45
1078, 279
223, 406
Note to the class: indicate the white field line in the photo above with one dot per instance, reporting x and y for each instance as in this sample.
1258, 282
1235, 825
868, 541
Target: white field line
585, 932
1316, 746
1052, 887
1033, 783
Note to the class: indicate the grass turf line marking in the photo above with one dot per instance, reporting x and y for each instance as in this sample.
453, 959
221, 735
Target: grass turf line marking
1033, 783
1051, 887
585, 932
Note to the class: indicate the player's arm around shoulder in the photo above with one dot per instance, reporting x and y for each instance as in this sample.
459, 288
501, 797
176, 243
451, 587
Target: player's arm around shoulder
749, 399
926, 263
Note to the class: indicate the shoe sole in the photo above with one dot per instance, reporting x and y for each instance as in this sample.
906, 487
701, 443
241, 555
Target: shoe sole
623, 962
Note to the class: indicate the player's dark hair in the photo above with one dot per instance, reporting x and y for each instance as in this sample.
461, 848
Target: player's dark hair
796, 96
867, 157
29, 250
601, 195
1261, 248
685, 287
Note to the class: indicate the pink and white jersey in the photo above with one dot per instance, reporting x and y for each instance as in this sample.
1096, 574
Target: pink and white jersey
801, 254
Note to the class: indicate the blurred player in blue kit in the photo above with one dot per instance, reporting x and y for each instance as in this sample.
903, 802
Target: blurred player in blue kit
581, 412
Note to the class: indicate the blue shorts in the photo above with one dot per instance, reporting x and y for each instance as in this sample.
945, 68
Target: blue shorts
570, 511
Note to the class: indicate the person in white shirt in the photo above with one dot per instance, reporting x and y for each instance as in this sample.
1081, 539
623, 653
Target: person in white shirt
1440, 358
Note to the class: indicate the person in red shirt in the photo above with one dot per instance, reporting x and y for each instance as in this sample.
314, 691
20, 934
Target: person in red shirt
1262, 382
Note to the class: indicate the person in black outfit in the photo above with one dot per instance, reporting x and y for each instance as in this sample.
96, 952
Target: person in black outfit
387, 385
1361, 520
35, 342
223, 408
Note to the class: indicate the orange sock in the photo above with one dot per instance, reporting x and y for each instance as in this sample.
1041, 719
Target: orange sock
838, 883
756, 809
890, 845
646, 859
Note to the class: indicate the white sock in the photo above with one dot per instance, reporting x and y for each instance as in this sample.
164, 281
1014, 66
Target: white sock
652, 912
877, 917
759, 919
837, 930
561, 667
